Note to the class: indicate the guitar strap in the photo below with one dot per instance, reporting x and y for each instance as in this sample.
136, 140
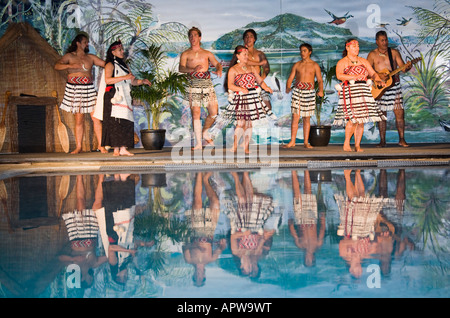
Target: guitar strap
391, 60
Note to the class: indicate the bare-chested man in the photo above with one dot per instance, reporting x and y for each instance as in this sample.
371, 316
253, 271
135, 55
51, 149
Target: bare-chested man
258, 61
392, 98
80, 95
195, 62
303, 101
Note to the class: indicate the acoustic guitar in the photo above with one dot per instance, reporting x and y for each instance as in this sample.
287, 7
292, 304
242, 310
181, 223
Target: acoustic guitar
378, 91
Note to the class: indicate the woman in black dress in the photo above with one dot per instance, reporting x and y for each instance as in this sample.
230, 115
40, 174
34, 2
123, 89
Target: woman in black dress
118, 124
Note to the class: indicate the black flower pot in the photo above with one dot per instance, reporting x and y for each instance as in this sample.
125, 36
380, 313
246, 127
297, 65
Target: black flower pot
320, 176
154, 180
319, 136
153, 139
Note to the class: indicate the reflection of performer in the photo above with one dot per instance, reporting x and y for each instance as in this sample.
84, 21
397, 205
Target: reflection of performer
246, 106
80, 94
303, 222
392, 99
195, 62
360, 215
395, 207
248, 213
356, 104
119, 212
203, 221
82, 229
393, 211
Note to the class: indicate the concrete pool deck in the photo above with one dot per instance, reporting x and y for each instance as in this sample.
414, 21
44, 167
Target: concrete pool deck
270, 156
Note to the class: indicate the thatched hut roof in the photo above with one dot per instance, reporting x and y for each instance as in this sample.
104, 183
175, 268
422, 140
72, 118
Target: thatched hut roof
28, 63
27, 67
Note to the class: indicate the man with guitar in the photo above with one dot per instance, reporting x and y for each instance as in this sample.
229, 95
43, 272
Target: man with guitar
385, 60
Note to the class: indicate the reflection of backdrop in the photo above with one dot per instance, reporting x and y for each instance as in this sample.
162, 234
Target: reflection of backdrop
281, 26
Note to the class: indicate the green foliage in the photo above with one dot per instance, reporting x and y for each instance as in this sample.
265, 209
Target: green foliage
426, 95
328, 74
138, 29
158, 98
156, 225
435, 24
428, 201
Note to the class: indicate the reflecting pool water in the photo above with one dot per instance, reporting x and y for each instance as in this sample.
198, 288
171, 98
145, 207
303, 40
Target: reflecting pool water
240, 234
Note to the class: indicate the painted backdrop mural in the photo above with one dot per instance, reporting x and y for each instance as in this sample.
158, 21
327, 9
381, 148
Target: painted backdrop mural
417, 29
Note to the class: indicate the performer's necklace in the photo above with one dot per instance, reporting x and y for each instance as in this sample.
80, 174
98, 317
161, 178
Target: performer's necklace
382, 54
353, 62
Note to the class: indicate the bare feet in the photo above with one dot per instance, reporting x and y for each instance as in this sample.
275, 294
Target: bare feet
208, 139
403, 143
290, 144
347, 148
308, 146
358, 149
125, 152
381, 145
77, 150
102, 150
122, 152
198, 147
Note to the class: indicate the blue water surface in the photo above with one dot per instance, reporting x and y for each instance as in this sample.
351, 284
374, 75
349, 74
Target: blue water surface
227, 234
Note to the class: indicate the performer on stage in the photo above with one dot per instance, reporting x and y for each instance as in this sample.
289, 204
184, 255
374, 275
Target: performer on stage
304, 94
118, 120
392, 99
258, 61
80, 95
356, 104
195, 62
246, 106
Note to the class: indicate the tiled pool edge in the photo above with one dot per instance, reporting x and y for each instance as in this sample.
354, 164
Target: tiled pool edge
13, 170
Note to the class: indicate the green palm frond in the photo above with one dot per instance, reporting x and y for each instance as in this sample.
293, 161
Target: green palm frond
139, 28
433, 21
166, 84
435, 26
128, 25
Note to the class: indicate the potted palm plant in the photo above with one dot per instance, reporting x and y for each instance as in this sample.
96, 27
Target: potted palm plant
319, 135
159, 97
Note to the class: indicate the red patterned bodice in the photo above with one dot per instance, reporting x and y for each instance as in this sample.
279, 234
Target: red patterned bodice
246, 80
357, 70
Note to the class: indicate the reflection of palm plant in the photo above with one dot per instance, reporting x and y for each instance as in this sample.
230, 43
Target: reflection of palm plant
158, 98
157, 223
328, 74
153, 225
429, 203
